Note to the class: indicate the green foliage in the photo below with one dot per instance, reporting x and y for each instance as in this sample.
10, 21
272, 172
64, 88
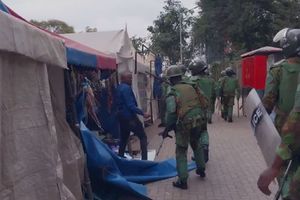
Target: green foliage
137, 42
54, 25
165, 32
227, 28
90, 29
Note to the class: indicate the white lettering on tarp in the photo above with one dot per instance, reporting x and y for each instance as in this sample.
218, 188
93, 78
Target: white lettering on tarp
257, 115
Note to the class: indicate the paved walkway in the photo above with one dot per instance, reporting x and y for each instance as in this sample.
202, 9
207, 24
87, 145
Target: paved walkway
232, 171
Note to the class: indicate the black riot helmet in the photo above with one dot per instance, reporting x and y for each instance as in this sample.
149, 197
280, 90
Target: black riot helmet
197, 67
229, 71
289, 42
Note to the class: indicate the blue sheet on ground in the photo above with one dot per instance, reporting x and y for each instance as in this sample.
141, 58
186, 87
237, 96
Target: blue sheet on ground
125, 175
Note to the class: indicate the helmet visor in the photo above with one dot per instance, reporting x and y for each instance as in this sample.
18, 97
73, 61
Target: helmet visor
280, 35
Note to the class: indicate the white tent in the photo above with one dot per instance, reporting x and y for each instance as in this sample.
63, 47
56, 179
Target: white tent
118, 44
40, 157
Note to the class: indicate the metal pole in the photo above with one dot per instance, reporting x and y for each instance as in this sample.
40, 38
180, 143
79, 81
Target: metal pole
151, 94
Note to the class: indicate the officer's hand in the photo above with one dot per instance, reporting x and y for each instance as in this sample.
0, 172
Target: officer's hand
265, 179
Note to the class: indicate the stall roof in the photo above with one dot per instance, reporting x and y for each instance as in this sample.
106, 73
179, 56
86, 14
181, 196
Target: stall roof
77, 53
262, 51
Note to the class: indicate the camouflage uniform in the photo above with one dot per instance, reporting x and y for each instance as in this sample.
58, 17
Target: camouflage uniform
290, 149
218, 92
280, 91
186, 109
229, 86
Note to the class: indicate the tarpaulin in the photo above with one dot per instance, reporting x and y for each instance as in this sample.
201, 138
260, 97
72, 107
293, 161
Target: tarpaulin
157, 92
121, 175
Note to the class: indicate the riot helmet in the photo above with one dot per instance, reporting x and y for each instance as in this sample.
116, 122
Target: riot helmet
174, 71
229, 71
197, 67
289, 41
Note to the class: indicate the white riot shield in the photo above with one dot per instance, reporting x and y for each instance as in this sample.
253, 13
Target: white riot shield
267, 137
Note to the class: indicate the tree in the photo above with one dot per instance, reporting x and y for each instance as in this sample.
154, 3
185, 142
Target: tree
165, 32
90, 29
226, 28
137, 42
54, 25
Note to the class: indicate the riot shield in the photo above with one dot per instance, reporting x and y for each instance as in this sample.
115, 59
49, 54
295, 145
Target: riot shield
267, 136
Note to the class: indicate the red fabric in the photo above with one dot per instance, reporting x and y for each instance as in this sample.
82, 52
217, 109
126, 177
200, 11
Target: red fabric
104, 61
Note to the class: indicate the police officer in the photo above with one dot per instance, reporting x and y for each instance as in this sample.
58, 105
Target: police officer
185, 111
206, 85
219, 93
282, 78
214, 94
229, 87
285, 75
288, 151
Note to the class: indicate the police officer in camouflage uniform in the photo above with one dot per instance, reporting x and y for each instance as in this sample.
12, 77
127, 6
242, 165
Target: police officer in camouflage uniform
289, 149
219, 93
229, 87
285, 76
282, 80
206, 85
186, 111
214, 93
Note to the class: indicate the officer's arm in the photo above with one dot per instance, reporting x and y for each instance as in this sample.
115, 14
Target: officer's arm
288, 139
271, 91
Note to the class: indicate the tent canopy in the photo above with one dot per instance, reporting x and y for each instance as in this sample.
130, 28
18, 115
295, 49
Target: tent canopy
77, 54
114, 43
16, 36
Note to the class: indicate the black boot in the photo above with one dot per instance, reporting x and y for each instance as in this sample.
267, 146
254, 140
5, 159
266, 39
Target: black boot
200, 172
180, 184
230, 119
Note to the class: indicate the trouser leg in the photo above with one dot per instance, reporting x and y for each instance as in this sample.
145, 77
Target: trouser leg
125, 132
209, 115
181, 163
138, 129
197, 147
230, 112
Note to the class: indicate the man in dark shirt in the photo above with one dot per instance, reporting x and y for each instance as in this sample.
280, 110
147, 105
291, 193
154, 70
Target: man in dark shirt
127, 114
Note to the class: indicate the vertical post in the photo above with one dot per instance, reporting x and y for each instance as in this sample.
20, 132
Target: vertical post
151, 94
180, 27
135, 63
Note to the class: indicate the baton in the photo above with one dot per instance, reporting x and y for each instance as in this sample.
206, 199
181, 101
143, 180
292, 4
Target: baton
162, 142
160, 146
278, 194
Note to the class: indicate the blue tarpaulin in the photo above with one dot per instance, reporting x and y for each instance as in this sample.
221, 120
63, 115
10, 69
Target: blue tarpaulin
80, 58
3, 7
157, 91
122, 176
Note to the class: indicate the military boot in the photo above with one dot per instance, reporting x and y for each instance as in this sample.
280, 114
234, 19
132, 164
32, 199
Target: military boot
180, 184
201, 172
